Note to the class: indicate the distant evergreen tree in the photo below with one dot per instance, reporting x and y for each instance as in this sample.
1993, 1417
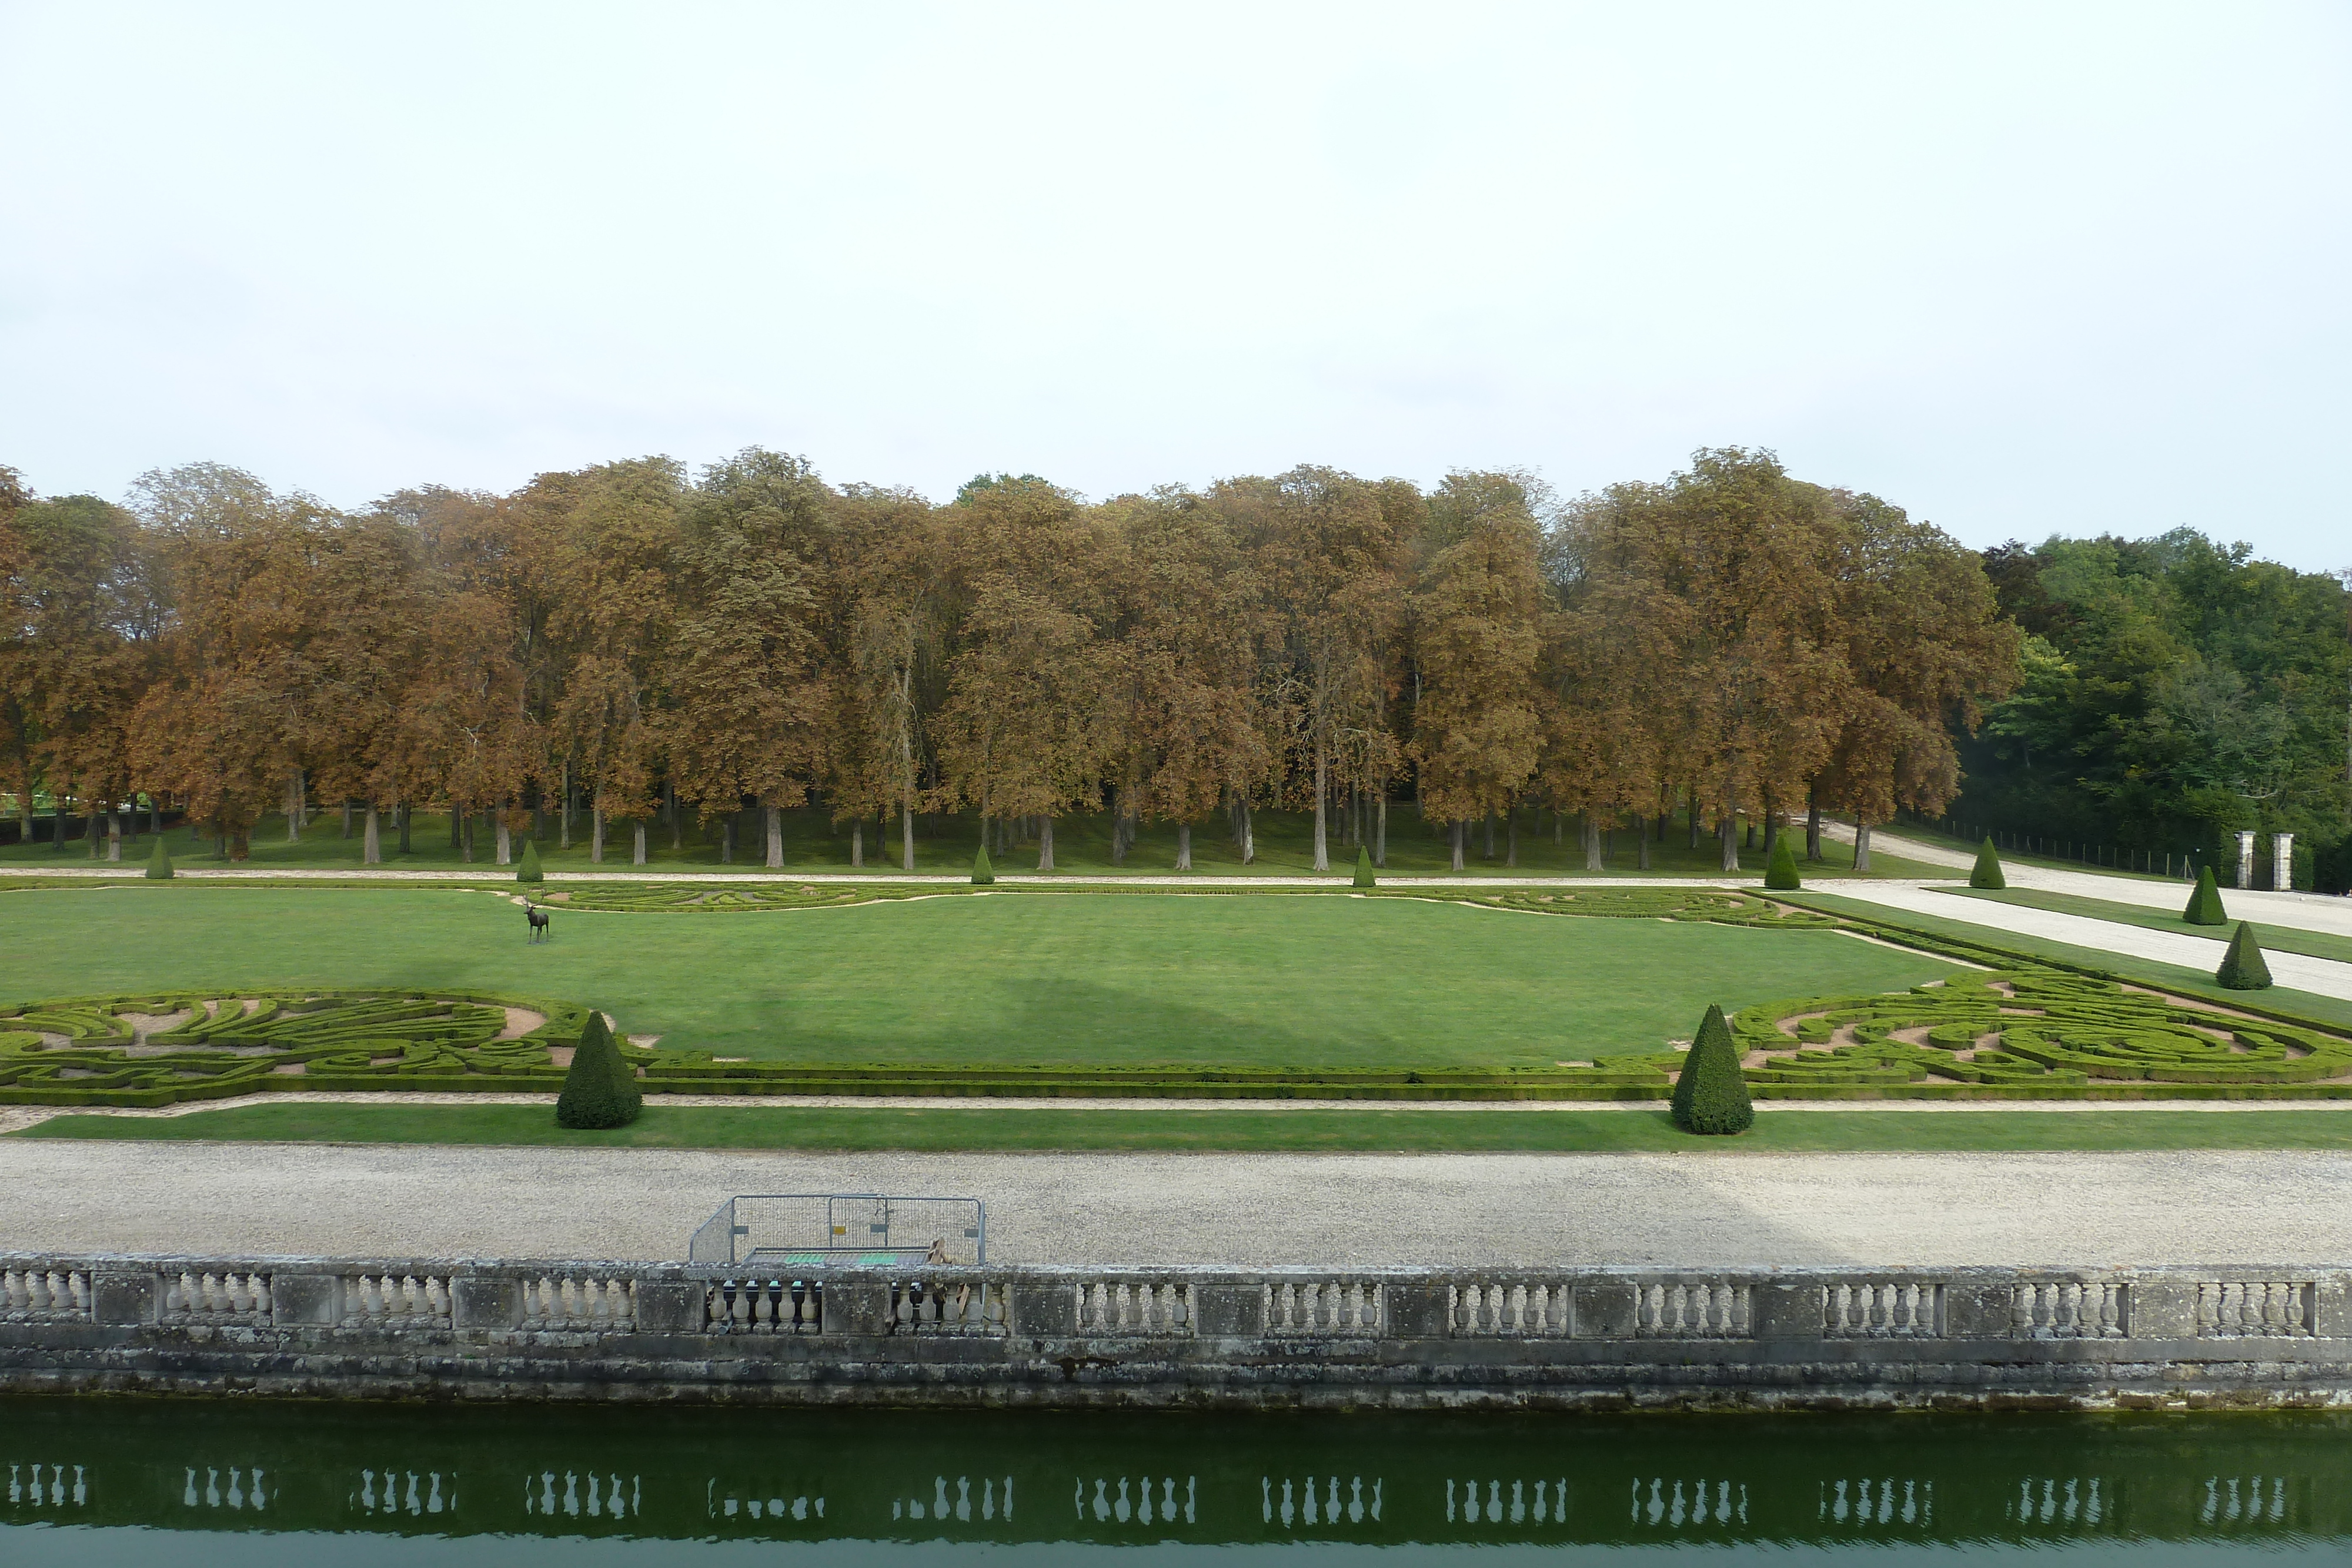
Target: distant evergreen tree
1711, 1095
600, 1089
2243, 966
159, 864
2205, 903
529, 870
1988, 868
1781, 871
1364, 877
982, 874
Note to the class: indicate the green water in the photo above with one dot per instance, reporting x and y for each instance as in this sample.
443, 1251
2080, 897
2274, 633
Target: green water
195, 1484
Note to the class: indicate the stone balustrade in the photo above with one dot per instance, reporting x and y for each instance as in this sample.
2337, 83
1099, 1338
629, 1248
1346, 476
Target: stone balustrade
978, 1334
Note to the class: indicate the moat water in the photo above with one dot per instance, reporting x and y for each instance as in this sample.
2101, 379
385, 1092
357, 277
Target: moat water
196, 1484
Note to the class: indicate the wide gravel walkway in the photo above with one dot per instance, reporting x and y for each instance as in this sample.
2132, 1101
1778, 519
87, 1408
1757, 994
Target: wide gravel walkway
1353, 1210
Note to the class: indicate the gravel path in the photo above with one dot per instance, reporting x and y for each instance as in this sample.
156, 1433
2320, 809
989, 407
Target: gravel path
1697, 1210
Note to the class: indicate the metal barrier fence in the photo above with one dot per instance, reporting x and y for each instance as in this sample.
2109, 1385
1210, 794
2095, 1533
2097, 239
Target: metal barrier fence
842, 1228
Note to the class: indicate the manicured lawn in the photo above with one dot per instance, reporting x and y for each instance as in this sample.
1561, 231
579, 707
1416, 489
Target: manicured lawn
1368, 1131
1285, 844
1113, 979
2195, 983
2279, 939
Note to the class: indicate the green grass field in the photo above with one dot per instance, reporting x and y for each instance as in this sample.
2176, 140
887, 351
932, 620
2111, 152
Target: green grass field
1366, 1130
1266, 979
2275, 938
1285, 844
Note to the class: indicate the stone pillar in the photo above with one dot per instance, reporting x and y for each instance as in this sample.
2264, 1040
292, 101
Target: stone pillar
1602, 1311
1419, 1311
1041, 1308
2246, 859
1788, 1311
310, 1300
485, 1301
2283, 862
124, 1300
672, 1306
859, 1308
1229, 1312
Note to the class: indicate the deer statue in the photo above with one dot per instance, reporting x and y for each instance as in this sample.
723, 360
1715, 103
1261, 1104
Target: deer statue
540, 927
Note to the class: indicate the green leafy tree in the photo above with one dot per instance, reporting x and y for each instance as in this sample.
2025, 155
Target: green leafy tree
1711, 1092
159, 864
529, 870
2205, 903
1364, 877
983, 874
2243, 966
1987, 872
600, 1088
1781, 873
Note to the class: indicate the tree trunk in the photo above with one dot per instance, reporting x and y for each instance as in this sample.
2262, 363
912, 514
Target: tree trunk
1694, 816
638, 847
372, 842
906, 838
677, 828
1861, 845
1813, 824
1490, 837
1322, 789
1046, 843
402, 814
347, 818
506, 839
1641, 838
241, 845
1455, 833
1731, 834
1591, 831
858, 844
597, 835
1184, 846
1118, 826
461, 832
1249, 836
565, 843
113, 835
1381, 831
1511, 836
294, 807
774, 824
457, 825
727, 839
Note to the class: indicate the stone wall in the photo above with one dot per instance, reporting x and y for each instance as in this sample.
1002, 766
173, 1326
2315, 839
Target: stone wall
427, 1328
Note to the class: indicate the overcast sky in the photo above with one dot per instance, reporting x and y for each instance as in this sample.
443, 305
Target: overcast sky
2021, 270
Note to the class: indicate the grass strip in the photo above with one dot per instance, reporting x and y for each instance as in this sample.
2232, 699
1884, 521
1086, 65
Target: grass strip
1286, 1132
2273, 938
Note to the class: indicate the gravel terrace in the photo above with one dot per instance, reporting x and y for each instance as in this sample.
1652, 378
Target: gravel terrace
1341, 1210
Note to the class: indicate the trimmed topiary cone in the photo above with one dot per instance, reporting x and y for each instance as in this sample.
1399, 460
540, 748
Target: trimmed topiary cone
2205, 903
982, 874
529, 870
1364, 877
159, 864
1711, 1095
2242, 967
1988, 868
600, 1090
1781, 871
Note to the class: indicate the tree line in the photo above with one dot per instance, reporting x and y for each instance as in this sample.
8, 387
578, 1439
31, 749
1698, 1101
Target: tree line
573, 657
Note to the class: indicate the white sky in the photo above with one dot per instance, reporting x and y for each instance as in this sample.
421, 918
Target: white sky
2020, 270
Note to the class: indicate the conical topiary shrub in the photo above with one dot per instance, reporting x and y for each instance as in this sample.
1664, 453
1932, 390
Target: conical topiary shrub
600, 1090
982, 874
1711, 1095
2243, 968
2205, 903
159, 864
1364, 877
528, 868
1781, 871
1988, 868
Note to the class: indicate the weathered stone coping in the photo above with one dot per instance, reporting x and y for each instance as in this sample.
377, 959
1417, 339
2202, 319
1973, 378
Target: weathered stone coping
414, 1327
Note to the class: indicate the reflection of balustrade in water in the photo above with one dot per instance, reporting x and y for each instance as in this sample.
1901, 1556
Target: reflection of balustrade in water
1317, 1501
238, 1495
1710, 1502
1522, 1504
1866, 1502
2061, 1500
45, 1486
588, 1495
422, 1494
770, 1503
2230, 1500
965, 1505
